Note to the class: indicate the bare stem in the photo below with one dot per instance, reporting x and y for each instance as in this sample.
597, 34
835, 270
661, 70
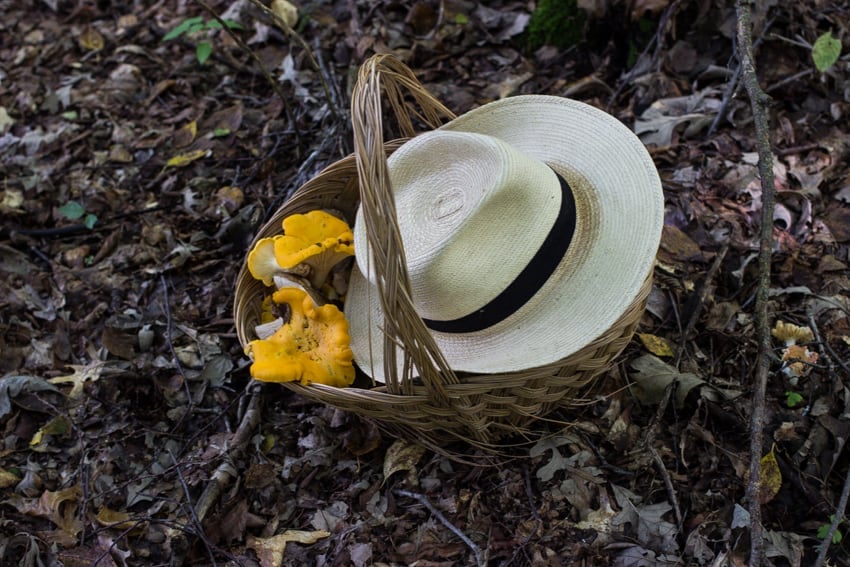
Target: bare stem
759, 102
422, 499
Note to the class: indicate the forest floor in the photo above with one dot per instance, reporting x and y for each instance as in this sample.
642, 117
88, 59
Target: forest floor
133, 179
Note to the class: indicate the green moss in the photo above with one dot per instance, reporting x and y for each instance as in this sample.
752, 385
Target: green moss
559, 23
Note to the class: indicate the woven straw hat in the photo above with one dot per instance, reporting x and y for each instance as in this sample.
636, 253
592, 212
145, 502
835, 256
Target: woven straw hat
529, 227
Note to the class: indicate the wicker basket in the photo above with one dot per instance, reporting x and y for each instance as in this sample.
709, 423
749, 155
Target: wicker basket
489, 411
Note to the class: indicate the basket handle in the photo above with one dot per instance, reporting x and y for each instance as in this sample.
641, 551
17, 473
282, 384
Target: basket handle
404, 328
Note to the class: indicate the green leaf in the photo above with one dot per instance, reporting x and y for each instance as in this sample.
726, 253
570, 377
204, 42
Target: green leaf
219, 132
183, 28
89, 221
793, 399
216, 25
203, 51
826, 51
461, 19
824, 529
72, 210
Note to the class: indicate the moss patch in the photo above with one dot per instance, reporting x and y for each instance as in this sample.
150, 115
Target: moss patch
559, 23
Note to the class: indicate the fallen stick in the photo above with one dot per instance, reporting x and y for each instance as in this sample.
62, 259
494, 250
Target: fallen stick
759, 102
193, 516
837, 518
422, 499
225, 471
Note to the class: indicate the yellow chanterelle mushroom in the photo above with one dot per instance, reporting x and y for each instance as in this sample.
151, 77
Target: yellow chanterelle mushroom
311, 245
312, 347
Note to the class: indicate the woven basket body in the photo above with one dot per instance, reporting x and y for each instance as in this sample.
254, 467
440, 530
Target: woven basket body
439, 406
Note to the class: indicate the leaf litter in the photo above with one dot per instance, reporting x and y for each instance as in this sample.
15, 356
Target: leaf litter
132, 434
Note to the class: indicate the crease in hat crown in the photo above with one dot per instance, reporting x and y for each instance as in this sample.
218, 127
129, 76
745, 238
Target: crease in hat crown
472, 210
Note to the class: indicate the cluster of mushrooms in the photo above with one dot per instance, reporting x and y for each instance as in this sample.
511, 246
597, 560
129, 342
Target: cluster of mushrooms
797, 359
302, 337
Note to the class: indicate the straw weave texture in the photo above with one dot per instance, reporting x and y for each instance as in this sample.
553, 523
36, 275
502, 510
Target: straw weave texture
488, 411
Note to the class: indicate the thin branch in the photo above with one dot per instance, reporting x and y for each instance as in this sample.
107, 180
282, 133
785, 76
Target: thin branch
655, 43
422, 499
274, 84
168, 340
651, 432
836, 520
668, 485
759, 102
787, 80
287, 29
702, 296
196, 522
225, 470
538, 521
732, 86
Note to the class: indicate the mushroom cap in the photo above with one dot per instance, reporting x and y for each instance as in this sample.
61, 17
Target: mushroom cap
318, 239
312, 347
262, 262
791, 334
311, 245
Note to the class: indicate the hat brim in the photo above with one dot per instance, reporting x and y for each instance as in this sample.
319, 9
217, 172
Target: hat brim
620, 217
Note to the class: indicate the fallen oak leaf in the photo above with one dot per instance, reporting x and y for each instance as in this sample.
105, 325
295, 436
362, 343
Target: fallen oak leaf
83, 373
110, 518
270, 550
60, 507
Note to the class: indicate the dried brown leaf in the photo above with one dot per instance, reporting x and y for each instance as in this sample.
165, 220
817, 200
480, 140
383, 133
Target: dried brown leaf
91, 39
270, 550
402, 456
60, 507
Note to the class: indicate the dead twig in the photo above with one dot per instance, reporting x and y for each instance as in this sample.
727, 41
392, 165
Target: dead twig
655, 43
274, 84
651, 432
787, 80
226, 471
836, 520
287, 29
668, 485
168, 340
422, 499
821, 345
703, 294
732, 86
538, 521
831, 356
759, 102
193, 516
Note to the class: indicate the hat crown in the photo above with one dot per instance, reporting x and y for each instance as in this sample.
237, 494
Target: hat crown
472, 211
